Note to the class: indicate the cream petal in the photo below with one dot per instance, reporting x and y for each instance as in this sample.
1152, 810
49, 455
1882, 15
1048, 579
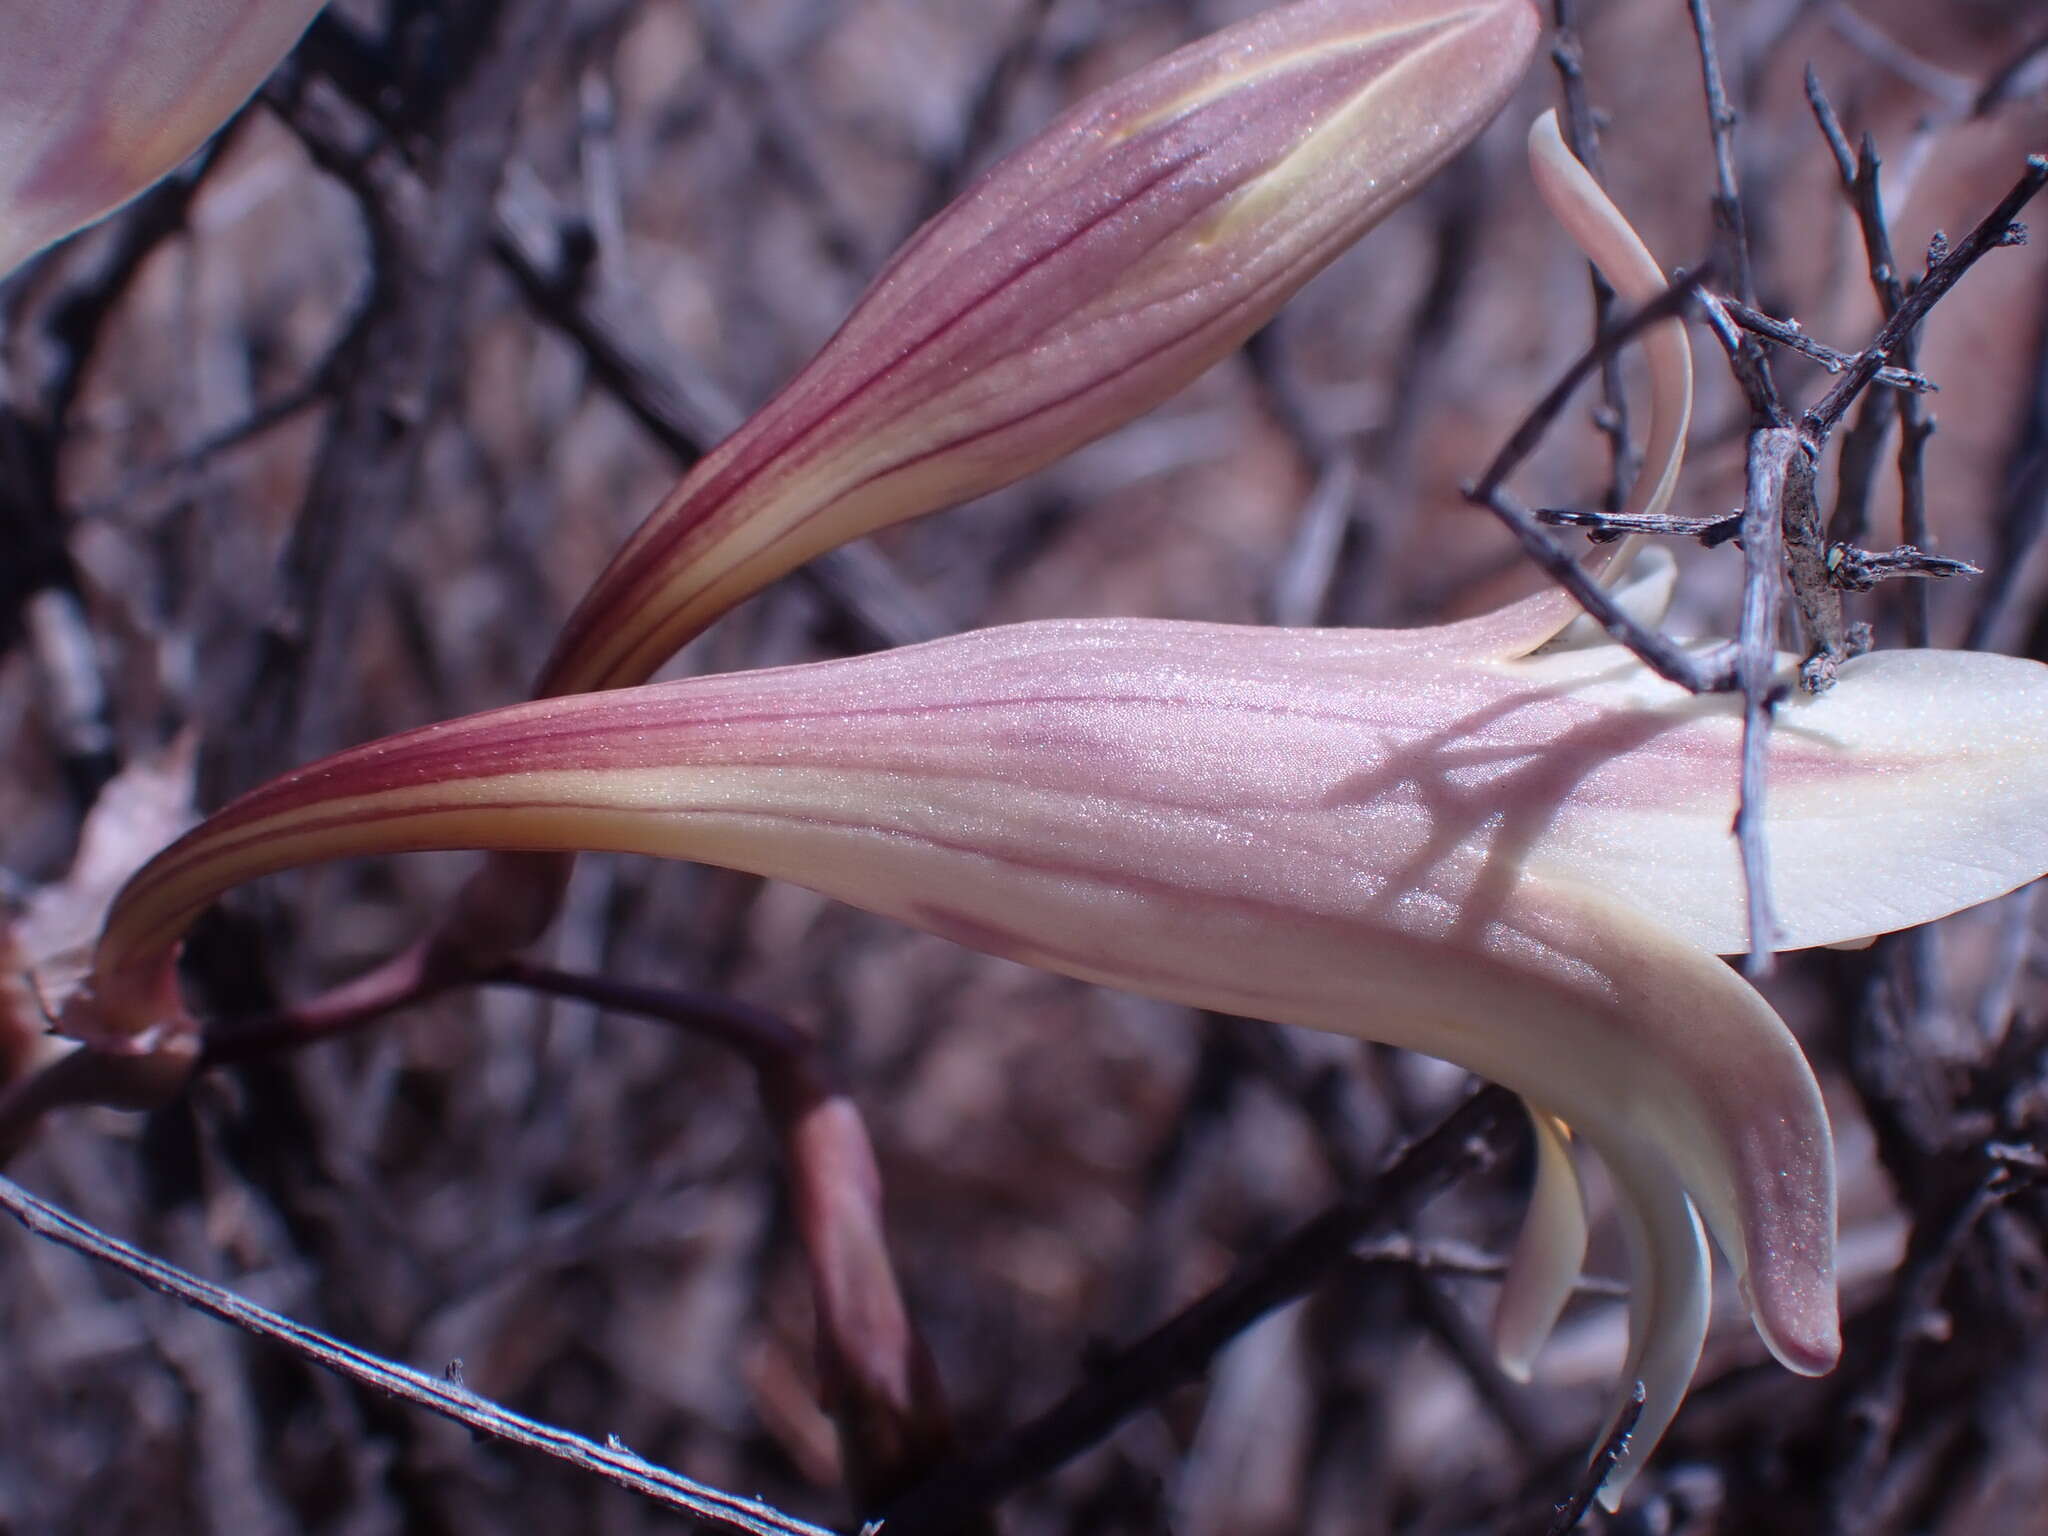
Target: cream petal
1549, 1253
1577, 202
1670, 1301
1909, 791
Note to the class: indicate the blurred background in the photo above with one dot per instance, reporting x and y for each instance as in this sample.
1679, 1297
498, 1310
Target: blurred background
322, 440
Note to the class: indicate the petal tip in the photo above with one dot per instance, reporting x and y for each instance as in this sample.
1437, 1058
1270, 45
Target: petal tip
1799, 1323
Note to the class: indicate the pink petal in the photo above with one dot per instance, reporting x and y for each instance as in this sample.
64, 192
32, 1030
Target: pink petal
98, 100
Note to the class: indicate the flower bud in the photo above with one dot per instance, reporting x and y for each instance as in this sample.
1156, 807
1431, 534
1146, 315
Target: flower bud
1081, 281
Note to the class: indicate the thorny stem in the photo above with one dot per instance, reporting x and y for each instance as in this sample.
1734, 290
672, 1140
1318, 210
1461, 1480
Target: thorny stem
1573, 1510
1995, 229
611, 1461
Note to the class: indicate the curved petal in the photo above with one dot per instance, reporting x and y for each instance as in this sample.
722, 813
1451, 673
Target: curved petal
1325, 828
1576, 200
1670, 1301
1549, 1253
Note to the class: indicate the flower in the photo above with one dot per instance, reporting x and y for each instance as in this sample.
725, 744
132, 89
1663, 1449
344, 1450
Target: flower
1445, 839
98, 101
1082, 280
1490, 840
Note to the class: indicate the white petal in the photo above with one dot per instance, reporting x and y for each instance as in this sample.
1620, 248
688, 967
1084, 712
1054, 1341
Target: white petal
1548, 1255
1670, 1297
1910, 790
1591, 219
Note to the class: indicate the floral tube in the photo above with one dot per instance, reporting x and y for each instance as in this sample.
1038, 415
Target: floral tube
1433, 838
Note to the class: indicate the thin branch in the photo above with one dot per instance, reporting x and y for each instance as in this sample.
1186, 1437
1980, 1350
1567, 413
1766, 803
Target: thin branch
1858, 570
1746, 360
1605, 527
1477, 1133
1544, 414
1731, 230
611, 1461
1995, 229
881, 1386
1876, 1410
1670, 660
1582, 133
1788, 334
1860, 187
1659, 652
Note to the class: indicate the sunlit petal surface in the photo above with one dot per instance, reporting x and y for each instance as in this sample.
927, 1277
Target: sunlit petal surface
1518, 864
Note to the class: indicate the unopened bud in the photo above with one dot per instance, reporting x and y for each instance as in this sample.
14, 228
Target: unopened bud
1084, 279
98, 100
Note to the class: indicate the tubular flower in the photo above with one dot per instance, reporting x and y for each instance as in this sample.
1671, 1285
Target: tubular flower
1488, 840
1078, 283
1437, 838
1082, 280
97, 101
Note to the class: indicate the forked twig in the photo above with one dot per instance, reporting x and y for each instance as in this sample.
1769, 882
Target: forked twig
1658, 651
1997, 228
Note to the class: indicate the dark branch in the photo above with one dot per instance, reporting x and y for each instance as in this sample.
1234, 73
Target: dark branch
1858, 570
611, 1461
1731, 230
1788, 334
1178, 1351
1995, 229
1573, 1509
1663, 655
1605, 527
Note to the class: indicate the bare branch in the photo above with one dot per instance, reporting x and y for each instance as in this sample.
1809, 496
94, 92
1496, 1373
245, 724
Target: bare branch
1179, 1350
1573, 1509
1789, 334
1995, 229
612, 1461
1731, 231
